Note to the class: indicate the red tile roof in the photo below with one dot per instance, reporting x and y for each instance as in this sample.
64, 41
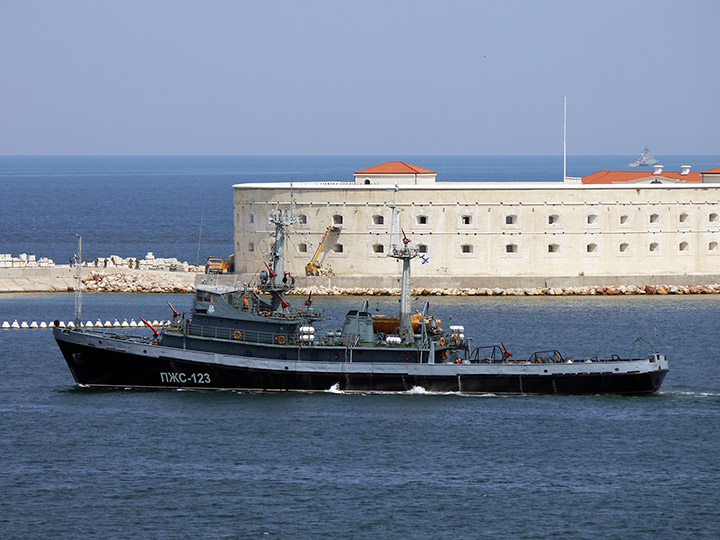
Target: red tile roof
611, 177
713, 171
395, 167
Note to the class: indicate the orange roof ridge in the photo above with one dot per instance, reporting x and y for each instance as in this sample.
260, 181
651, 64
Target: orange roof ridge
395, 167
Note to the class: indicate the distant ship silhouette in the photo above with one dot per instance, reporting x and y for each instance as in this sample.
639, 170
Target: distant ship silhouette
645, 159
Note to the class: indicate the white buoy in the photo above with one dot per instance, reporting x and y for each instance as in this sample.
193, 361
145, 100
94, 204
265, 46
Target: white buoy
24, 325
34, 325
6, 324
43, 325
133, 324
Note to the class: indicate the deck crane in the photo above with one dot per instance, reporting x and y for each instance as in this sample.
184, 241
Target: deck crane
313, 268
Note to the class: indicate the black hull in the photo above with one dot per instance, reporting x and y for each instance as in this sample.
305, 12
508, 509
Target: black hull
108, 368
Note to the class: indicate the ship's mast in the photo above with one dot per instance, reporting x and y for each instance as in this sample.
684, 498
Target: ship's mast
78, 286
278, 281
404, 251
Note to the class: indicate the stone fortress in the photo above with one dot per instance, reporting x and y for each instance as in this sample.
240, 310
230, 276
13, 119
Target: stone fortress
611, 227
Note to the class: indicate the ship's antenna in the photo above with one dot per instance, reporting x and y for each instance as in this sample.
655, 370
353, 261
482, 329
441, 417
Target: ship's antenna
78, 287
565, 140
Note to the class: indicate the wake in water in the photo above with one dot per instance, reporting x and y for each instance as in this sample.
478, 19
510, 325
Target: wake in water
414, 391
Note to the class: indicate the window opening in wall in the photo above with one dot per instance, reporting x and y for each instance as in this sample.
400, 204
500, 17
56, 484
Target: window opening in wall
713, 217
367, 181
713, 246
302, 247
302, 219
553, 248
591, 219
683, 246
337, 219
251, 246
466, 248
511, 219
511, 248
466, 220
654, 218
553, 219
251, 218
623, 219
591, 248
378, 248
654, 246
422, 248
378, 220
422, 220
624, 247
338, 248
683, 217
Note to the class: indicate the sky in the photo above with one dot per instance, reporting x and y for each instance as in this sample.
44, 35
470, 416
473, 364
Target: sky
173, 77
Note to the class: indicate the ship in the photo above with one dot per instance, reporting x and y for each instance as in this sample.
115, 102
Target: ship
248, 337
645, 160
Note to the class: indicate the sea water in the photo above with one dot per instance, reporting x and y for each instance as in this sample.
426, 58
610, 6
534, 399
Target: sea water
81, 463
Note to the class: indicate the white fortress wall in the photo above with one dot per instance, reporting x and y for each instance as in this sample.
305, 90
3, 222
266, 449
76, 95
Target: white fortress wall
490, 229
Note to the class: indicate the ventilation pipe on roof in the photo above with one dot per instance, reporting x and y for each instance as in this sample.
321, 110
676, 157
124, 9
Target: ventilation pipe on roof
685, 170
658, 169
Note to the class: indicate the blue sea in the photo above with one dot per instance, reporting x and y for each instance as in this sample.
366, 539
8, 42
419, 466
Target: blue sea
182, 206
79, 463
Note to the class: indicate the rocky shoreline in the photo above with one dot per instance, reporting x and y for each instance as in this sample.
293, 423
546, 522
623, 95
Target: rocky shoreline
134, 283
535, 291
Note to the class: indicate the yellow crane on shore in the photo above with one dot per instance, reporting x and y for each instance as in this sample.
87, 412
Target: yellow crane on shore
313, 268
